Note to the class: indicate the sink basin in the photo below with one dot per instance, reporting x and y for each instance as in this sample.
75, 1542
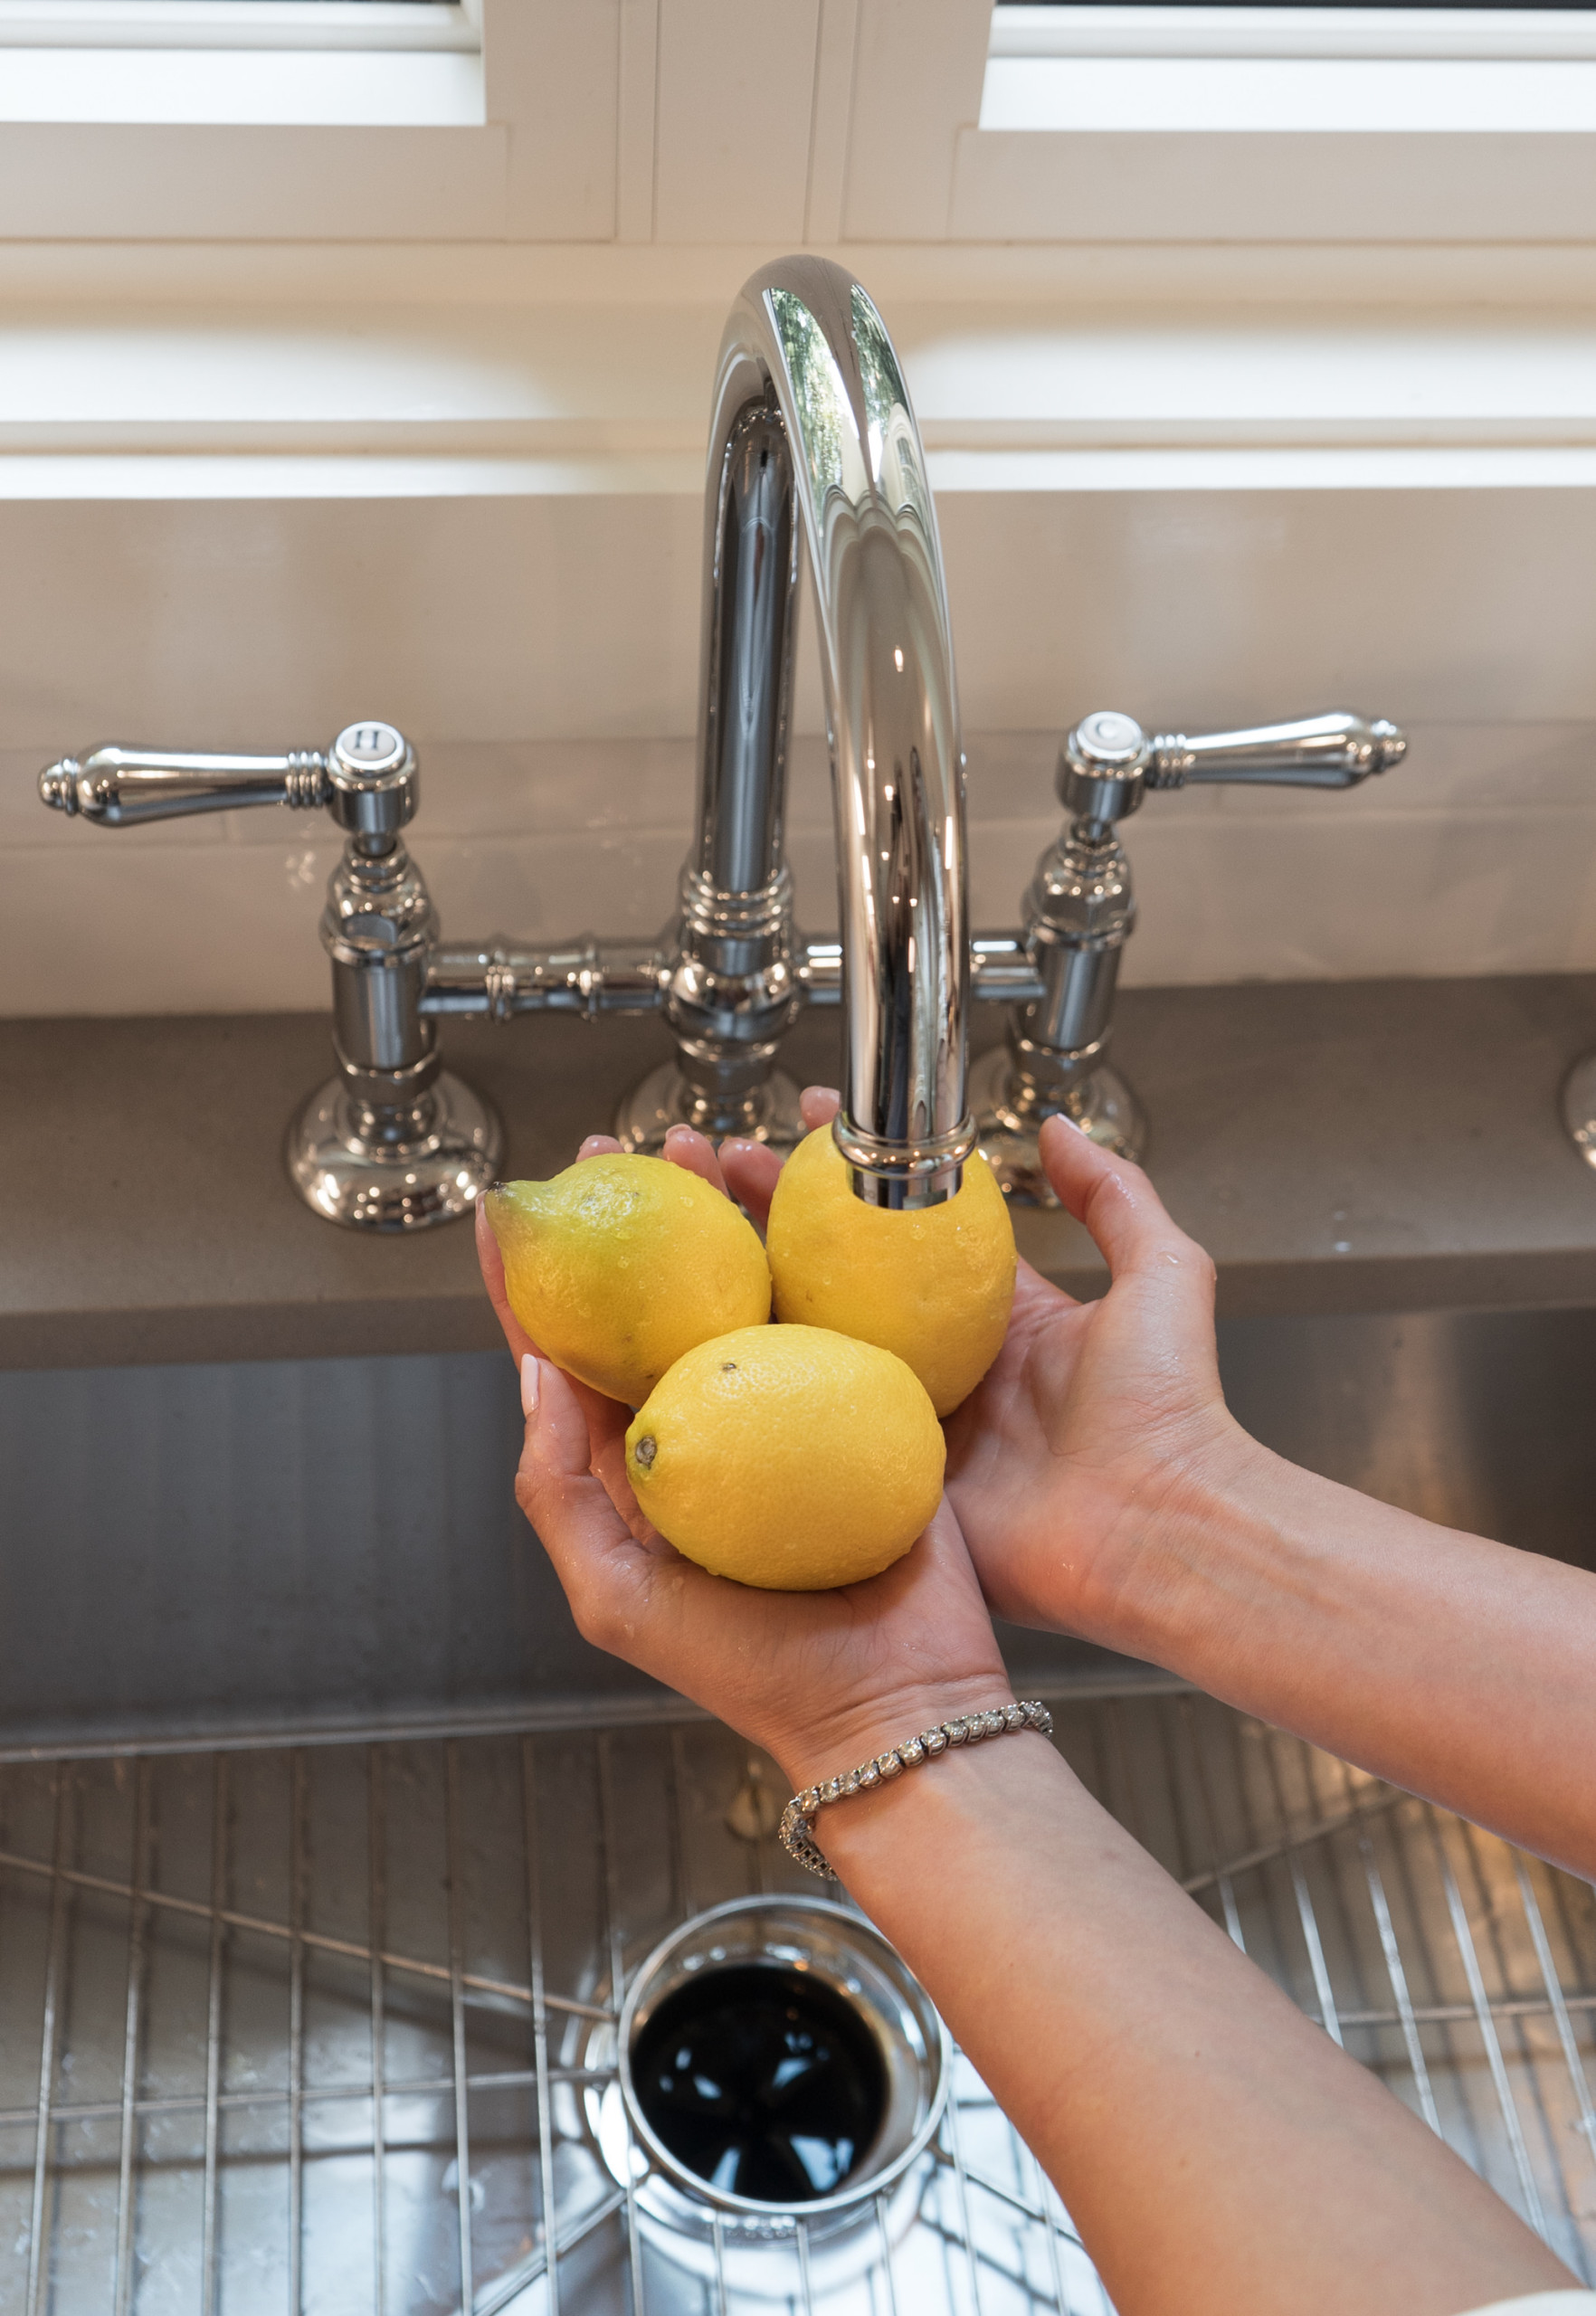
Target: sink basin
304, 1545
326, 1848
1480, 1420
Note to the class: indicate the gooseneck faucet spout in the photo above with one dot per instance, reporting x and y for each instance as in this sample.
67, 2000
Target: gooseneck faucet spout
813, 444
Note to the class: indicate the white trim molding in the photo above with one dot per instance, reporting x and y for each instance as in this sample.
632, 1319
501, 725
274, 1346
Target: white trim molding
171, 89
1089, 30
303, 25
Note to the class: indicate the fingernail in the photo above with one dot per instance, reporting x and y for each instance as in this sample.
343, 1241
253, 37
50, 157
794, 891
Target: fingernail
529, 1386
671, 1132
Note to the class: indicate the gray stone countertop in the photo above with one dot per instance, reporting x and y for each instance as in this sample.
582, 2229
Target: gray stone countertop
1337, 1146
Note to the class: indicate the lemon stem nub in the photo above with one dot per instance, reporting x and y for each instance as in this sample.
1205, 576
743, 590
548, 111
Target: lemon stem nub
644, 1452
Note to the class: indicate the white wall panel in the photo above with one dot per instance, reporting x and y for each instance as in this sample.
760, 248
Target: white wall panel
575, 616
638, 119
260, 620
1175, 185
836, 52
918, 80
550, 70
1188, 607
74, 181
736, 78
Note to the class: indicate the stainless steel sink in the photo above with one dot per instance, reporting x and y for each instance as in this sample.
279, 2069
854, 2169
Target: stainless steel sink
326, 1848
1481, 1419
322, 2028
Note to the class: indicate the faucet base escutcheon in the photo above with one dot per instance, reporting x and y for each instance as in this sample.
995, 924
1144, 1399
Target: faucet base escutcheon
393, 1170
1009, 1110
766, 1112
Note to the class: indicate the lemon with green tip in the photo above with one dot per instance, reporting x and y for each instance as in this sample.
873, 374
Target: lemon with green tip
935, 1285
794, 1458
622, 1263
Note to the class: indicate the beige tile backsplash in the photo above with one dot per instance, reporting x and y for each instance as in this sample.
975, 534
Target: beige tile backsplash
542, 650
1477, 855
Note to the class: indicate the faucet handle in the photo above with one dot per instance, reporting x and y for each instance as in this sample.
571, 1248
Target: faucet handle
1109, 764
1337, 750
116, 786
1079, 913
392, 1140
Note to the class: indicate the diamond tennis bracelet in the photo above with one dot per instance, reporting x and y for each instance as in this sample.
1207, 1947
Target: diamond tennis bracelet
966, 1729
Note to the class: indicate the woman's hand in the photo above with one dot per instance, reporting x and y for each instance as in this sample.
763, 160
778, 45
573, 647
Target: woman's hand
820, 1679
1098, 1420
1095, 1416
1102, 1486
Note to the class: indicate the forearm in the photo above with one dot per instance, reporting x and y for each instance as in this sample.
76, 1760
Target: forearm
1216, 2151
1455, 1666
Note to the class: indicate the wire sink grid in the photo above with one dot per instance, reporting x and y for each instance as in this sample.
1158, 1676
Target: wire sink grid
312, 2030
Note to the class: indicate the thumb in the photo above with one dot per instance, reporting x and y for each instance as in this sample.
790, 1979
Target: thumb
1117, 1204
1155, 1269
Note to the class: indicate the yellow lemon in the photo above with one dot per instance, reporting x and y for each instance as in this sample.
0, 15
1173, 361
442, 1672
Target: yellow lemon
935, 1286
790, 1457
618, 1265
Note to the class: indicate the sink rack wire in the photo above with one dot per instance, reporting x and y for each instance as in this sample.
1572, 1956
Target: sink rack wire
308, 2026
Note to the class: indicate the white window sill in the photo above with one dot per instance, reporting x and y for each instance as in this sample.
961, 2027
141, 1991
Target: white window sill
298, 24
1231, 95
239, 87
1092, 29
539, 395
1229, 124
234, 120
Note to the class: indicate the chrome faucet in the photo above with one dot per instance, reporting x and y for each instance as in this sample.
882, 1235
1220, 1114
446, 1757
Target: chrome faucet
1080, 913
814, 446
812, 439
392, 1140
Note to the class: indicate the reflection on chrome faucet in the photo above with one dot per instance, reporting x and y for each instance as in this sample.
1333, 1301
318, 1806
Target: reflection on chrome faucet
814, 446
813, 437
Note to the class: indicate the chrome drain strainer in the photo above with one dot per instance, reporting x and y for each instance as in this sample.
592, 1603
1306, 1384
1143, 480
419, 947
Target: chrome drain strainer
778, 2071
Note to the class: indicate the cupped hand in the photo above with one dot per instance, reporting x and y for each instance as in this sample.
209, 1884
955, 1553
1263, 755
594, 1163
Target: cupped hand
820, 1679
1097, 1418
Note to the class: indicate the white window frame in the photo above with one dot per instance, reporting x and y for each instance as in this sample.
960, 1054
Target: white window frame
763, 122
1340, 182
536, 161
306, 25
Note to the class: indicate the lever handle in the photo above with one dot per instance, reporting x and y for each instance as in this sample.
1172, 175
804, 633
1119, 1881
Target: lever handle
119, 787
1334, 751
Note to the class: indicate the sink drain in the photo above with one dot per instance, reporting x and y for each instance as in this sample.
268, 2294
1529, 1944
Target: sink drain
777, 2067
761, 2080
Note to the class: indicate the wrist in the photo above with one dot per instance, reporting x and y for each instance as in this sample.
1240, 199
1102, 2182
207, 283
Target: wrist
1165, 1580
843, 1738
955, 1788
